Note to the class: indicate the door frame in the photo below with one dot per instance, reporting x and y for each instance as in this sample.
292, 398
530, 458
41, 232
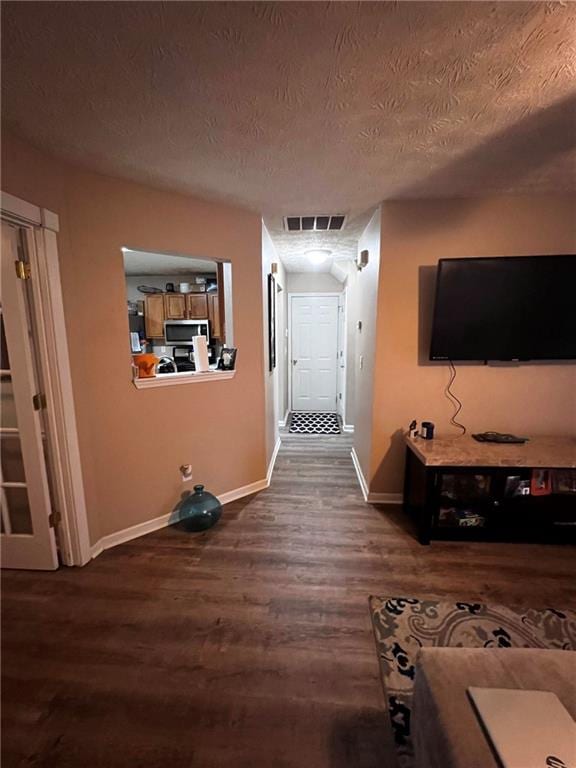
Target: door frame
307, 294
342, 344
41, 228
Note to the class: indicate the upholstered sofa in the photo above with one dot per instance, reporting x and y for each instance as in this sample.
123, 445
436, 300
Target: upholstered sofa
445, 730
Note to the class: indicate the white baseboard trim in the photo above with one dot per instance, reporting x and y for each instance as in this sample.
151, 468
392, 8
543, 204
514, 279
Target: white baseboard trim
372, 498
348, 428
284, 421
96, 549
149, 526
384, 498
272, 462
360, 474
134, 532
244, 490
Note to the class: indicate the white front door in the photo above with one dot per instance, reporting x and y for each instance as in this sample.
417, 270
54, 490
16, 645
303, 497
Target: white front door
27, 540
314, 333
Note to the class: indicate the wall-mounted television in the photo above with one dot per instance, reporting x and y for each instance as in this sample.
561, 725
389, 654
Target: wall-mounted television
505, 308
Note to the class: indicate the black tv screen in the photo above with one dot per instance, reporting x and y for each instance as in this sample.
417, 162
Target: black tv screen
509, 308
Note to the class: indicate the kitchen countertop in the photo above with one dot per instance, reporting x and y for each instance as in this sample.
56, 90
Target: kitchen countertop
182, 377
464, 451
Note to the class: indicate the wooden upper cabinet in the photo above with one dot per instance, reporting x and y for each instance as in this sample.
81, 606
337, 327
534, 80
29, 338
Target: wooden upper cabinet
175, 306
197, 306
180, 306
155, 315
214, 316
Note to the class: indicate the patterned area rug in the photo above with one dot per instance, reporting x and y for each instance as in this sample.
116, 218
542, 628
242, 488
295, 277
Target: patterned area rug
403, 625
308, 423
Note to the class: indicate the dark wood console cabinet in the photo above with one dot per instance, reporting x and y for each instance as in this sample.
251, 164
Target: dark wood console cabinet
457, 488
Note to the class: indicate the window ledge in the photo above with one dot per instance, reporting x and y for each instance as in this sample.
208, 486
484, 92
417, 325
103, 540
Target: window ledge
188, 377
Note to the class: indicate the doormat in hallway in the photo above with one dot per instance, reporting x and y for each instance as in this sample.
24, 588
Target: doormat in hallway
404, 625
308, 423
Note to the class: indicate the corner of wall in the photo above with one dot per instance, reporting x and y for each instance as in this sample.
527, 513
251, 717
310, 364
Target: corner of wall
367, 293
269, 255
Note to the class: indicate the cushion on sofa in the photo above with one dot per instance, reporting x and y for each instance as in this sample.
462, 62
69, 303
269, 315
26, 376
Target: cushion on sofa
445, 729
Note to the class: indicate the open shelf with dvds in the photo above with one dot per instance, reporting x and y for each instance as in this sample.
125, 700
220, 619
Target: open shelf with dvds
498, 503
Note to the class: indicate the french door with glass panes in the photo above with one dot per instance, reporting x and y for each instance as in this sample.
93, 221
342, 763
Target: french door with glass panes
27, 540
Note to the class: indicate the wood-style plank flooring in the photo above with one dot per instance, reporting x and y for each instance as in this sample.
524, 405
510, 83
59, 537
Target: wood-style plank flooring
249, 645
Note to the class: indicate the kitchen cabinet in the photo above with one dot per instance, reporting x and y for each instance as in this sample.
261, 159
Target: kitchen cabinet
175, 306
214, 315
197, 306
155, 316
179, 306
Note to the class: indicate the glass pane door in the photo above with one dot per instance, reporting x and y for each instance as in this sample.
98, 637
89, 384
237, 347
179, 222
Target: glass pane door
27, 540
14, 505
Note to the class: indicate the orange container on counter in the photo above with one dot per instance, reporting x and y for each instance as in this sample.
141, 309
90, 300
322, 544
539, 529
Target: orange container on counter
146, 365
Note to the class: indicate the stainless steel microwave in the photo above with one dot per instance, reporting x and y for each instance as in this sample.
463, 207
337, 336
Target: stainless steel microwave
181, 332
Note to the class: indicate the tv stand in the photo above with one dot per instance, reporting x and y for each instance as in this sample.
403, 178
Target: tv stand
457, 488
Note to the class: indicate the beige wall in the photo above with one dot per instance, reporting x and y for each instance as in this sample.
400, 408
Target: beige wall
133, 441
312, 282
273, 380
531, 399
366, 287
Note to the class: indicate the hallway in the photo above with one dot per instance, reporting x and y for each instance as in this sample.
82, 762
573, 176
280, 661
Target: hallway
247, 646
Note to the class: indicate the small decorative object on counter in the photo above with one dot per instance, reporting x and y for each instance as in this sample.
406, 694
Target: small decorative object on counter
541, 482
200, 510
166, 364
413, 428
184, 287
200, 348
169, 287
564, 480
146, 365
227, 359
427, 430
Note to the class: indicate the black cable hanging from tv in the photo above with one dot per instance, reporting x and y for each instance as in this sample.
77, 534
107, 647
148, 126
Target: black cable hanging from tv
453, 399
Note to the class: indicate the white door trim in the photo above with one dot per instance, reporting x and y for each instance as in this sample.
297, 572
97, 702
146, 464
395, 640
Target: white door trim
341, 404
48, 311
290, 297
20, 212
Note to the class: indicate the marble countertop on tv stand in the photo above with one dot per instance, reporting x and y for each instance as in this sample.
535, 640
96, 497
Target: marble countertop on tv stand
464, 451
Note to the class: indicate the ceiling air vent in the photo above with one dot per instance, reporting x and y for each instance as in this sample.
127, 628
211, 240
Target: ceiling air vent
323, 223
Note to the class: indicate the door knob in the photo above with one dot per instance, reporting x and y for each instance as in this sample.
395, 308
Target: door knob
294, 362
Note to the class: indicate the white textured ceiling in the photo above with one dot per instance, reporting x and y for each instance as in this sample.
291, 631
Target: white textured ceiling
148, 263
291, 108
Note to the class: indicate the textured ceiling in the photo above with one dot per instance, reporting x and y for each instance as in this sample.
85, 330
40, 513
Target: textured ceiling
291, 108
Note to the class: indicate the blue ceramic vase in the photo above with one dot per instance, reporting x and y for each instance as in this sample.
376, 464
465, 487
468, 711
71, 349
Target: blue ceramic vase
200, 510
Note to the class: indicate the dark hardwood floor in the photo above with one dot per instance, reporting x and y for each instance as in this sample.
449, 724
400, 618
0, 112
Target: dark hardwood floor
246, 646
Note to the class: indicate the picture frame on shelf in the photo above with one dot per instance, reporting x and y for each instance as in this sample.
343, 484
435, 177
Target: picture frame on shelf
271, 323
227, 361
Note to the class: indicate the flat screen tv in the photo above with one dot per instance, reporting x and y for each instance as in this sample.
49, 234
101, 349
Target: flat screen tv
508, 308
